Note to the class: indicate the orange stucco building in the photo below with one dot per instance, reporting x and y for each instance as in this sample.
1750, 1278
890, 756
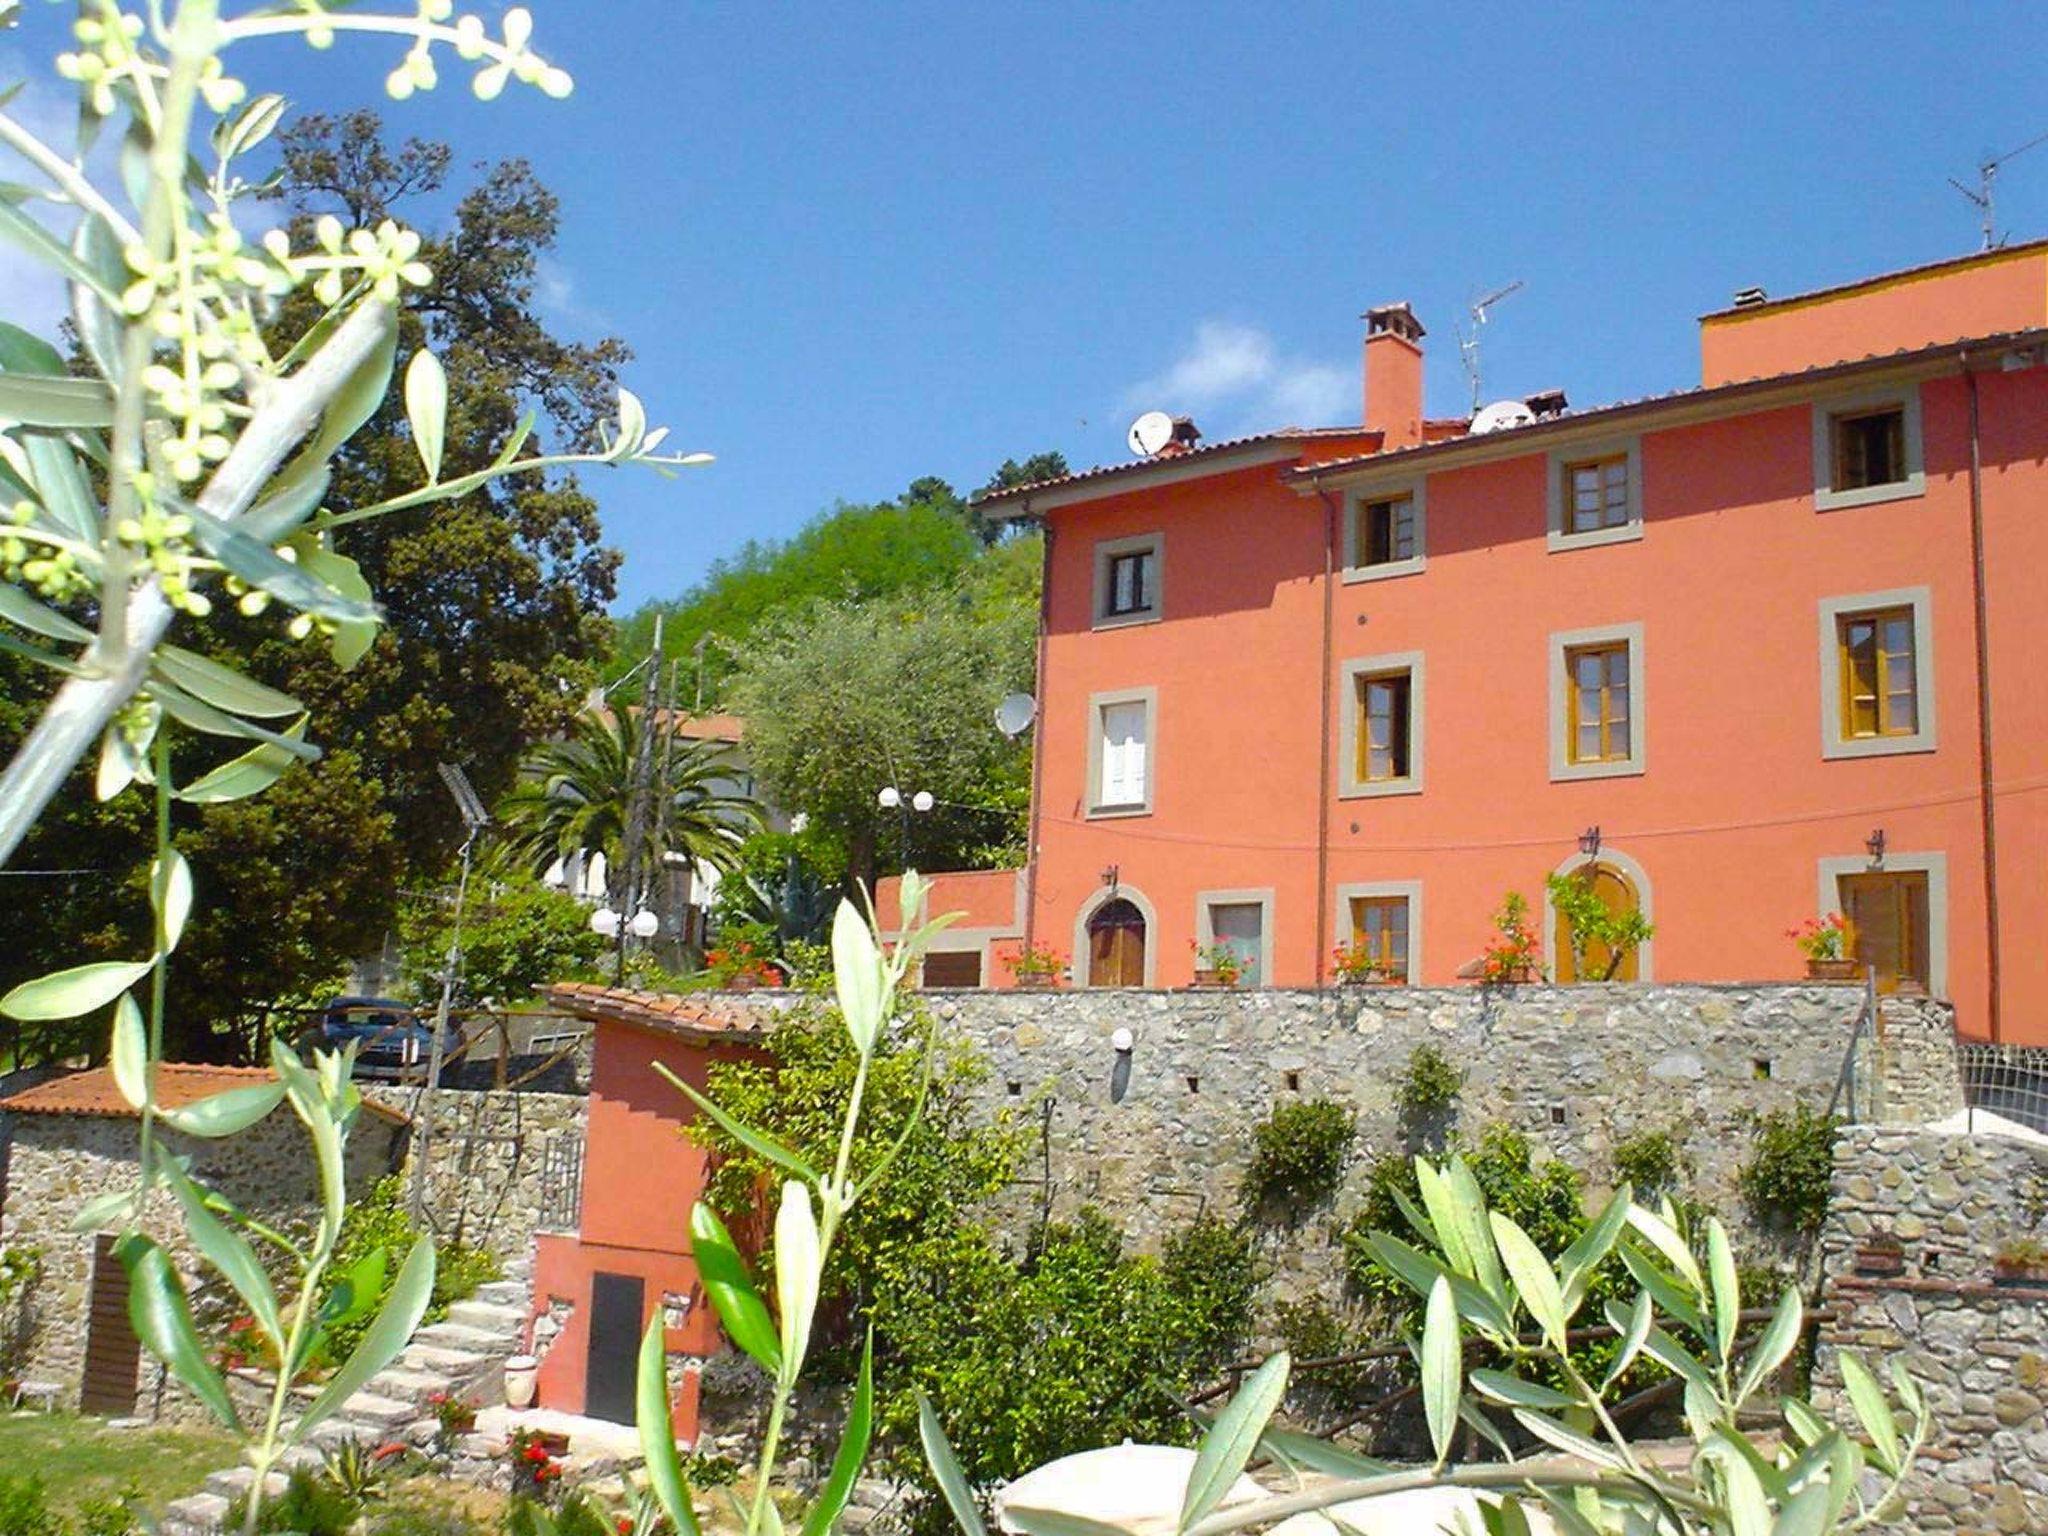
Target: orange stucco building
1756, 650
597, 1288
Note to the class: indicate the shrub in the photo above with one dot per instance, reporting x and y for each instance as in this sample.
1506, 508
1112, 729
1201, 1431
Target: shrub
379, 1220
1431, 1086
1792, 1159
1312, 1330
310, 1506
1298, 1154
1515, 952
1589, 921
1652, 1162
517, 936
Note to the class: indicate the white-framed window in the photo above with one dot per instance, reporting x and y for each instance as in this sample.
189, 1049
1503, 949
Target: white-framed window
1595, 494
1877, 673
1382, 715
1596, 702
1243, 920
1128, 580
1384, 919
1385, 531
1120, 748
1867, 448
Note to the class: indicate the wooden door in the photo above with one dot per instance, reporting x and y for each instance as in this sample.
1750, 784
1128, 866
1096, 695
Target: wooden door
1116, 946
1619, 897
1888, 925
616, 1319
112, 1352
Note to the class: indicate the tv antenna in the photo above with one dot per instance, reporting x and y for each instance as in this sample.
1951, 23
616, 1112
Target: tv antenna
1981, 194
1468, 337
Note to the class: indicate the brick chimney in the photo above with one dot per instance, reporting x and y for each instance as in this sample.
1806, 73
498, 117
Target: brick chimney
1393, 375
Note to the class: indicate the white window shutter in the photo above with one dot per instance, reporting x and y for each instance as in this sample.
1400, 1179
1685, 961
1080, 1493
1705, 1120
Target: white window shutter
1123, 754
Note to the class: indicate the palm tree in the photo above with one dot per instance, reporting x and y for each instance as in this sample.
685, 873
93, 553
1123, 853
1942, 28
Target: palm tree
575, 797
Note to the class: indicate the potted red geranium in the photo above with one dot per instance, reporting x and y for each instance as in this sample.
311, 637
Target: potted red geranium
1514, 954
1826, 942
1216, 965
1036, 967
1357, 966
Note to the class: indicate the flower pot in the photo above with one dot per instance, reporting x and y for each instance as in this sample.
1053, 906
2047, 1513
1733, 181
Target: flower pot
1515, 975
1210, 977
554, 1441
522, 1374
1034, 983
1844, 969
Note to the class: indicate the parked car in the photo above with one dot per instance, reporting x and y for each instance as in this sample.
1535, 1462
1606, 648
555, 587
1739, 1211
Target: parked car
389, 1035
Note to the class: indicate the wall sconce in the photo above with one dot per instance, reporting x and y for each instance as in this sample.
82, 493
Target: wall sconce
1122, 1041
1874, 846
1112, 877
1589, 841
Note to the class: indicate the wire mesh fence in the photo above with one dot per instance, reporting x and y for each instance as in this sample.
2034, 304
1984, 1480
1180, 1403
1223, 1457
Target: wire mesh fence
2010, 1081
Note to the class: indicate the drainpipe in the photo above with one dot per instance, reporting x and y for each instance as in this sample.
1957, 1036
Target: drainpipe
1038, 734
1323, 766
1986, 803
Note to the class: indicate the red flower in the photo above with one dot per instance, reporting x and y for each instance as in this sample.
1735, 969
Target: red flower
536, 1454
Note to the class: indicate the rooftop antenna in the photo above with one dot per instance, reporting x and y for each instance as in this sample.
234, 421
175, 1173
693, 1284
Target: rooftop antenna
1981, 194
1468, 339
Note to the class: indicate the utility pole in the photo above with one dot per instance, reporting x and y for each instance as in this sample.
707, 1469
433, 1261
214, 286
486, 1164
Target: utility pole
474, 820
636, 802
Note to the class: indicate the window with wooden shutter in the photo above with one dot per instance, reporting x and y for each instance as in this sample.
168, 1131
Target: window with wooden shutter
1386, 721
1596, 494
1597, 696
1123, 755
1379, 928
1880, 673
1869, 448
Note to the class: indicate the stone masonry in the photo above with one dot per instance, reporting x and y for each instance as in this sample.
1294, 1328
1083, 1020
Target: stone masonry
1160, 1135
1977, 1347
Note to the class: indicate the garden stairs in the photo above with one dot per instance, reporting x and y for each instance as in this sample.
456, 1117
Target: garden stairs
463, 1355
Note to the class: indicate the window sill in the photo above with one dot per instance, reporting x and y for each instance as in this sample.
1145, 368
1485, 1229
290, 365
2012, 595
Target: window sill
1829, 500
1620, 769
1385, 571
1627, 533
1379, 788
1126, 620
1837, 748
1116, 812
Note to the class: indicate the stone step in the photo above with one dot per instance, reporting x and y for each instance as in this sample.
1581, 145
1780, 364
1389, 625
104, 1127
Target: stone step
456, 1364
196, 1515
233, 1483
381, 1413
504, 1293
300, 1458
456, 1335
487, 1316
329, 1433
404, 1384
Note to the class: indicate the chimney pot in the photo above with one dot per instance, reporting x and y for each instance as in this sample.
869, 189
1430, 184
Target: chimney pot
1548, 402
1749, 298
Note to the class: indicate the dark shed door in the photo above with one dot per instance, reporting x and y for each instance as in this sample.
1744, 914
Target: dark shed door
112, 1352
615, 1316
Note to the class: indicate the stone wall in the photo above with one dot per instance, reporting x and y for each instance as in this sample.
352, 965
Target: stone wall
505, 1163
1164, 1133
1979, 1349
54, 1163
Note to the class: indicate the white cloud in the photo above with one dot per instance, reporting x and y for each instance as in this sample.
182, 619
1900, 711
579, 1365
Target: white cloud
556, 295
1238, 372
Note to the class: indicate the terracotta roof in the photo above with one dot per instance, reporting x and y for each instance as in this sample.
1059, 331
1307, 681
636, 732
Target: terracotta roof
92, 1092
689, 1016
1734, 389
1207, 450
725, 728
1878, 280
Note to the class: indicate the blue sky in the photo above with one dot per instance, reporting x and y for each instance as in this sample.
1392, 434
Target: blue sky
852, 245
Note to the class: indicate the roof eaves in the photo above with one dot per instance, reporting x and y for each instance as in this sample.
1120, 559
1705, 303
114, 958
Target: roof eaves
1491, 445
1112, 479
1877, 280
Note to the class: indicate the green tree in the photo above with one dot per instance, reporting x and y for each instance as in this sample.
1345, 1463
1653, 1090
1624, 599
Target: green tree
517, 936
576, 797
843, 698
493, 605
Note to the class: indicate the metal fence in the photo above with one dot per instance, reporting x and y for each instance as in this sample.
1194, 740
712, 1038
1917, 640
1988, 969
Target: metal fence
2010, 1081
1857, 1085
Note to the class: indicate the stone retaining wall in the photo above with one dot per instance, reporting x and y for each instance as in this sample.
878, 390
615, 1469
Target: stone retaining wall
55, 1163
1979, 1349
505, 1162
1164, 1133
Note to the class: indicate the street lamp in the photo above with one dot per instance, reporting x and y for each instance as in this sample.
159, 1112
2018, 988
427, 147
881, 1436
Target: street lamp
645, 924
605, 921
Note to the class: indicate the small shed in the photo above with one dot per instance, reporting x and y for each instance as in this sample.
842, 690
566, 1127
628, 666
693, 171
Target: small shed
72, 1137
595, 1289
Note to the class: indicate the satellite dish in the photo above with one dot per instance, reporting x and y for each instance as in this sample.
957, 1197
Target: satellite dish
1015, 714
1150, 433
1501, 416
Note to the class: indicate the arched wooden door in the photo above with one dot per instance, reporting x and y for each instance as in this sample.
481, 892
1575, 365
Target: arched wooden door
1116, 945
1618, 894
